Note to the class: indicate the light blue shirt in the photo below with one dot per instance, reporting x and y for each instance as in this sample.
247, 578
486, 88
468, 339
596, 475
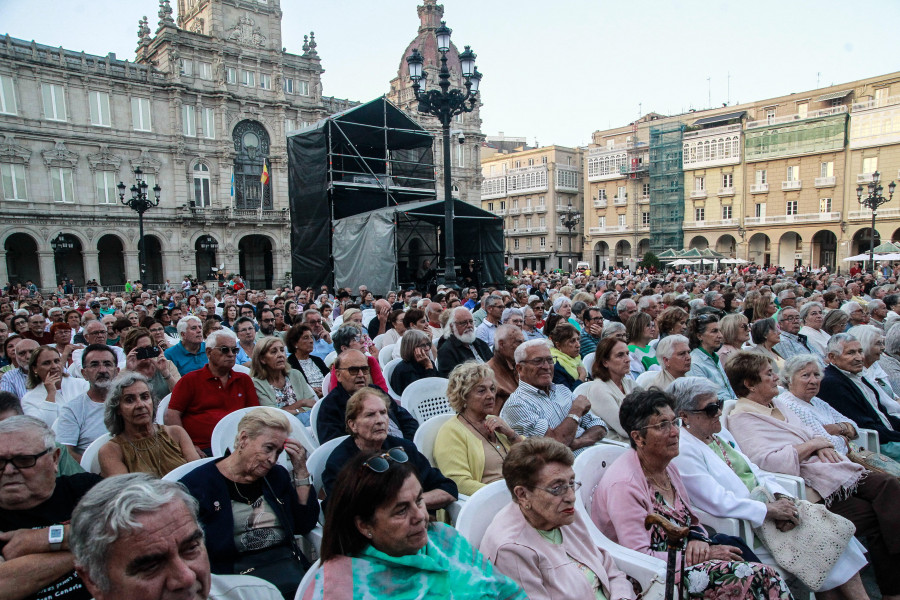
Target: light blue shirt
321, 348
186, 362
705, 366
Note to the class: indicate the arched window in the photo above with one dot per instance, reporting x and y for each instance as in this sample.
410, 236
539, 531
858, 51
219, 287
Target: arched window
202, 196
251, 146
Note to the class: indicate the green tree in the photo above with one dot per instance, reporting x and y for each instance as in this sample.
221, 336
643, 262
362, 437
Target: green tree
650, 260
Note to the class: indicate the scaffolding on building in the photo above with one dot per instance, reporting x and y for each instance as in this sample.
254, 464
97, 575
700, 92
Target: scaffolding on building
666, 187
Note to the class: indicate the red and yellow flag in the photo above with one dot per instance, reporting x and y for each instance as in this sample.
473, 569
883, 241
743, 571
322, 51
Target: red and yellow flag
264, 178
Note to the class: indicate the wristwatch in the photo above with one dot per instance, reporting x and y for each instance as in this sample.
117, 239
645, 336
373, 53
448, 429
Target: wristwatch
55, 537
574, 417
308, 480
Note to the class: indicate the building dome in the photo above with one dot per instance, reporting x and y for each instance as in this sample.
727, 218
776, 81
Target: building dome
430, 15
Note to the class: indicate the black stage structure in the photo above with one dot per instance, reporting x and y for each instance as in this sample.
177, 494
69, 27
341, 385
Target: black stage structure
373, 158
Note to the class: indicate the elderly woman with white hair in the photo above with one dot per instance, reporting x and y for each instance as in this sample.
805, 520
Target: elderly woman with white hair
721, 480
871, 339
802, 377
890, 359
812, 316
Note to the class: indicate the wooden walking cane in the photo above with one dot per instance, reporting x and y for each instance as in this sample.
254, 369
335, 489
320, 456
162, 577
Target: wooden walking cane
675, 536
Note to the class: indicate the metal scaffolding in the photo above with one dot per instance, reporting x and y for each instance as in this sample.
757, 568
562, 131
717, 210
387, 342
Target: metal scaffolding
666, 187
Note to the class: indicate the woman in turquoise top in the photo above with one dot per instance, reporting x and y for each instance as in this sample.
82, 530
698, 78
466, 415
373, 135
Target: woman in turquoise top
378, 542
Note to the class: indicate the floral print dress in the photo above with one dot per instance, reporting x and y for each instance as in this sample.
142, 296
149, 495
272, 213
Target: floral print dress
715, 578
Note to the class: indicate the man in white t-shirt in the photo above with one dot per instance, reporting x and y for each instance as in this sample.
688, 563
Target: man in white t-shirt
80, 421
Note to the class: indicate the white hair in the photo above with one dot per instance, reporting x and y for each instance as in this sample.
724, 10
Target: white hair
522, 349
851, 306
25, 423
212, 337
867, 335
183, 323
836, 343
666, 346
448, 328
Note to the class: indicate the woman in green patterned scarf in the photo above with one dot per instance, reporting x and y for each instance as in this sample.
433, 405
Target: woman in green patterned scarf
378, 542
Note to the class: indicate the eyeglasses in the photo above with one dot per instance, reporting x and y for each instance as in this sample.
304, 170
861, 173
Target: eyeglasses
665, 426
461, 323
707, 318
795, 318
710, 410
382, 462
228, 349
22, 461
538, 362
561, 489
355, 370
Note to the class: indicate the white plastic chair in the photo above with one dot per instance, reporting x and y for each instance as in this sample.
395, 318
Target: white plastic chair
161, 410
426, 398
313, 417
337, 322
427, 433
478, 512
315, 462
90, 460
226, 429
178, 472
868, 440
726, 410
241, 369
589, 469
330, 358
582, 389
588, 361
326, 384
384, 355
308, 579
367, 316
387, 371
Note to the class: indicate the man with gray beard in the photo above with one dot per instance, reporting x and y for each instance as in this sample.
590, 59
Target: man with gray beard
460, 343
81, 420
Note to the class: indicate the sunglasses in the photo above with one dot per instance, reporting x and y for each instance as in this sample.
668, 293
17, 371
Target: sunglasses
228, 349
355, 370
382, 462
711, 410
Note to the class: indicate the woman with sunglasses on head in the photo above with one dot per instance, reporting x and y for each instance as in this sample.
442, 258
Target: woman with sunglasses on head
367, 422
643, 480
719, 479
539, 539
735, 333
378, 542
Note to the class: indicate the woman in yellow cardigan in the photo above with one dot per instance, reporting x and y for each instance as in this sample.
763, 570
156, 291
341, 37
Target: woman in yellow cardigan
470, 448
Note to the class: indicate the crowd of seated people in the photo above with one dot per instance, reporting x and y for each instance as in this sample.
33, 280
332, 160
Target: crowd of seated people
807, 366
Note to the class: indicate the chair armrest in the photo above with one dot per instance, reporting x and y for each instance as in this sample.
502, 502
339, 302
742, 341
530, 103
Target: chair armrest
454, 507
793, 484
726, 525
311, 543
868, 440
614, 443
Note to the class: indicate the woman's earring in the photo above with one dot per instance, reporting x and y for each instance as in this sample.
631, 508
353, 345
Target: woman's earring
687, 425
369, 534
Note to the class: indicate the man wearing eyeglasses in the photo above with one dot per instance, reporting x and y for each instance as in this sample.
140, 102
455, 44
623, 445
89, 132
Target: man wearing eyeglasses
202, 397
460, 344
95, 332
267, 325
792, 341
540, 408
189, 354
34, 503
352, 371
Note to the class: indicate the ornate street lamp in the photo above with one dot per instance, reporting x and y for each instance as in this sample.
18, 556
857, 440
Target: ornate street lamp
140, 202
446, 104
570, 219
872, 201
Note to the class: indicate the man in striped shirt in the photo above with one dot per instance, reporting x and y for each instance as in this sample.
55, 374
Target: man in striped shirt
541, 408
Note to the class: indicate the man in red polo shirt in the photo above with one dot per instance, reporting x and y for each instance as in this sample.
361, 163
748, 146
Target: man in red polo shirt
201, 398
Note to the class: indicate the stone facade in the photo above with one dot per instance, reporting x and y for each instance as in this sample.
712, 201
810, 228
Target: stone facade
203, 107
530, 188
465, 131
771, 181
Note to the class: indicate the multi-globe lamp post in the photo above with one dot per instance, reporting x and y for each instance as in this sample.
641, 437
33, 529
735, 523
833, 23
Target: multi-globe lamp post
444, 104
872, 201
140, 202
570, 218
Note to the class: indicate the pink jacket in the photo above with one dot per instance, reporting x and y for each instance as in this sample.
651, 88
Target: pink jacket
624, 492
544, 570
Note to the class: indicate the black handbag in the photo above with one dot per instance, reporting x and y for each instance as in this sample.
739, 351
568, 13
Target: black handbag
282, 566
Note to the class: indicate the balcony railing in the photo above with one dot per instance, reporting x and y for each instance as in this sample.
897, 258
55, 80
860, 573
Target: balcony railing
514, 211
620, 200
801, 218
813, 114
864, 177
726, 191
876, 103
698, 194
714, 131
644, 199
501, 212
608, 229
704, 224
541, 208
867, 214
527, 210
600, 204
824, 182
794, 184
759, 188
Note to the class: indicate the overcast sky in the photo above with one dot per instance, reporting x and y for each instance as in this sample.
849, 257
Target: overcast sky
553, 71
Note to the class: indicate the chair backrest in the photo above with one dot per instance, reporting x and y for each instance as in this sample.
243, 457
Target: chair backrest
178, 472
479, 510
241, 369
367, 315
90, 460
588, 361
426, 398
313, 417
387, 371
337, 322
226, 429
384, 355
315, 462
330, 358
427, 433
161, 410
308, 579
326, 384
589, 469
582, 389
726, 410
